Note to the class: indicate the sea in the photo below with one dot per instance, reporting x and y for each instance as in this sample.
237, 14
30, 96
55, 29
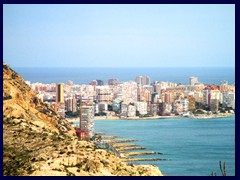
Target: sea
192, 146
206, 75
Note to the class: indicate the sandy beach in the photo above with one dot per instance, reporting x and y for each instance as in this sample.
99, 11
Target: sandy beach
132, 118
150, 118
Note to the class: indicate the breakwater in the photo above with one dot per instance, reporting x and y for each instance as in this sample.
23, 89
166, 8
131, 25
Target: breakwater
125, 151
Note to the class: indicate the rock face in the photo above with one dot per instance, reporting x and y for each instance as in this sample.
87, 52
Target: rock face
38, 142
20, 101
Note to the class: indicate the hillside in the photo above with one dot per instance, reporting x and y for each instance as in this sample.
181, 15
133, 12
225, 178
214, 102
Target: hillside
37, 141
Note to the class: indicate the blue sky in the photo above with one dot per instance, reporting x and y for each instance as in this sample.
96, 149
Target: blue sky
119, 35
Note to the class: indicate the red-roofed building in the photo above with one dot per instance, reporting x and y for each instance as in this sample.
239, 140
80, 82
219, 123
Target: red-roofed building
81, 134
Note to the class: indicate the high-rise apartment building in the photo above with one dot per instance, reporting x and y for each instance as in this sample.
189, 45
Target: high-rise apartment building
59, 93
103, 94
213, 105
87, 118
193, 80
71, 105
228, 99
143, 80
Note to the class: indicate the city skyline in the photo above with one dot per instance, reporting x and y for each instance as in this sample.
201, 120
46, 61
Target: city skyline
119, 35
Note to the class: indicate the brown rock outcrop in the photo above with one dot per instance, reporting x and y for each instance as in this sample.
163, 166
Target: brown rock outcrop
39, 142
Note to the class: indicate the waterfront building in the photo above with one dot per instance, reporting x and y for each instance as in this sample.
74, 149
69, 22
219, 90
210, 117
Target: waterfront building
185, 104
216, 94
59, 93
102, 107
161, 107
214, 105
168, 108
206, 96
87, 118
181, 106
124, 108
228, 99
141, 107
153, 109
191, 102
131, 111
178, 107
193, 80
165, 109
116, 105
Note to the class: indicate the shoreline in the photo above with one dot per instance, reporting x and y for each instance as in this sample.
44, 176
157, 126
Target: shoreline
155, 117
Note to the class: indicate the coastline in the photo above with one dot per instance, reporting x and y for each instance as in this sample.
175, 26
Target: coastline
200, 116
212, 116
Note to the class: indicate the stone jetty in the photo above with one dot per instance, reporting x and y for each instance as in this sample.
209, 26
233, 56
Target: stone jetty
127, 154
131, 148
119, 145
143, 159
118, 140
123, 149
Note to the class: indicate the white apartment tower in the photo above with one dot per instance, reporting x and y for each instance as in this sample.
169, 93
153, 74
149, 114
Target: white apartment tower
193, 80
142, 80
87, 117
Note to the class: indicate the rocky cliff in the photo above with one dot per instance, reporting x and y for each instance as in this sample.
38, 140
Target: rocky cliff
37, 141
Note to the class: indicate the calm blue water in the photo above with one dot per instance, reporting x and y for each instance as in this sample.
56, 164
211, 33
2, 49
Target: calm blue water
193, 146
86, 75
